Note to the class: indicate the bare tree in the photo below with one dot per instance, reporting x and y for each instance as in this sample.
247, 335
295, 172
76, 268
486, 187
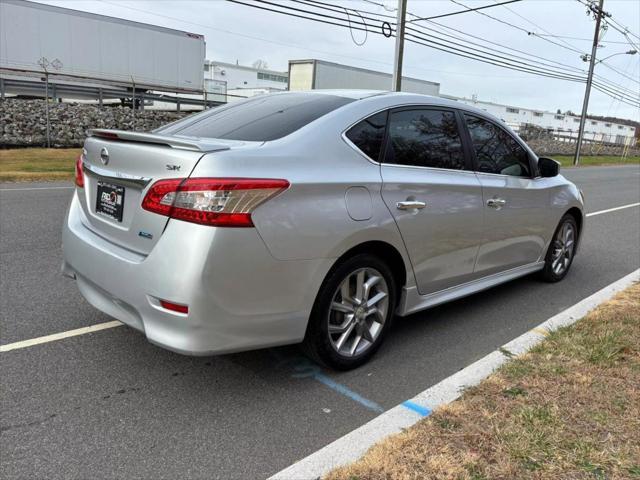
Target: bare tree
260, 64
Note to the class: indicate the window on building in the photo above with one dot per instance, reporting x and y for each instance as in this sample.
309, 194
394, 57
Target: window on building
272, 77
607, 124
576, 120
425, 138
260, 119
496, 150
537, 114
594, 123
559, 117
512, 110
620, 127
206, 67
368, 135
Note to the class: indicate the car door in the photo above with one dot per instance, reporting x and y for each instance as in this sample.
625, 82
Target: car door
515, 203
434, 197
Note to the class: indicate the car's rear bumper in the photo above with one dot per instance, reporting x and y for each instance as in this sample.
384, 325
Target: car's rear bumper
239, 296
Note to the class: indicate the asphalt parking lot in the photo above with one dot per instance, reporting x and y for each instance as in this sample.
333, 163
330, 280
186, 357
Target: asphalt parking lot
110, 405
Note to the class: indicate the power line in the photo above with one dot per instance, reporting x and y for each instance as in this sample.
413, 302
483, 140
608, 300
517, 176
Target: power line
613, 100
424, 29
578, 38
505, 62
467, 9
613, 86
622, 74
517, 27
521, 67
364, 27
262, 39
563, 65
535, 25
416, 38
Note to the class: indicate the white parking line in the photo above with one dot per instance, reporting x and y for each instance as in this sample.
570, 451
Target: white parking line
34, 188
59, 336
353, 445
106, 325
612, 209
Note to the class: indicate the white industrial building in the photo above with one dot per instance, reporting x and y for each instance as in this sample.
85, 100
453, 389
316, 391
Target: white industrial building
560, 124
238, 81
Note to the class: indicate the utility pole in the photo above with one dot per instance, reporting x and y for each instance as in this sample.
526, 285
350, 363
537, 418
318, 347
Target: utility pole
397, 64
592, 62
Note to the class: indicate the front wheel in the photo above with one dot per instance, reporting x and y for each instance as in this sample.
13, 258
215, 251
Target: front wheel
562, 250
352, 313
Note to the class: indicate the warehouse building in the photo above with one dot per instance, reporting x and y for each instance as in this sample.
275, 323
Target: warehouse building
562, 126
315, 74
237, 81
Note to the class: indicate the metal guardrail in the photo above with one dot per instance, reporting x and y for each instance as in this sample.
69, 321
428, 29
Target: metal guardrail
54, 90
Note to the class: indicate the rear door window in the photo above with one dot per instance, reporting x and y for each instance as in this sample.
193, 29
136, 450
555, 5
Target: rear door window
496, 151
260, 119
425, 138
368, 135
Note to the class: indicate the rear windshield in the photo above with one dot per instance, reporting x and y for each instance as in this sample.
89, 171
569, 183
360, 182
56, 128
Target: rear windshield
260, 119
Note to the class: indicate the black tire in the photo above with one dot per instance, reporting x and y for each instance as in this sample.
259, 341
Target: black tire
317, 342
548, 273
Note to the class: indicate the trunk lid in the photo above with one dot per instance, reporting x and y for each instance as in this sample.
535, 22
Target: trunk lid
119, 167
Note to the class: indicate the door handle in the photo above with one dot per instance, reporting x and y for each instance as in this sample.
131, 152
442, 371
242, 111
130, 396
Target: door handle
496, 203
410, 205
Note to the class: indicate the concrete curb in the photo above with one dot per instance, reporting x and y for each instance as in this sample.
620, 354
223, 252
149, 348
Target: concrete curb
353, 445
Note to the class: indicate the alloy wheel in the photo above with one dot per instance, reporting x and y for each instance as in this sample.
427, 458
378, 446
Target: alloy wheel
563, 248
358, 311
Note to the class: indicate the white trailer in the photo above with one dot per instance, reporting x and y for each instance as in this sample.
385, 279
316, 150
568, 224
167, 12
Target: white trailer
83, 47
316, 74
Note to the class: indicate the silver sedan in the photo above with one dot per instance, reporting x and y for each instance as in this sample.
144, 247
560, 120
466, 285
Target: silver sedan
310, 217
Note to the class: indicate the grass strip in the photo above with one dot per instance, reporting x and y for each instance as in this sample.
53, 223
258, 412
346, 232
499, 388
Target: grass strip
50, 164
37, 164
568, 409
596, 160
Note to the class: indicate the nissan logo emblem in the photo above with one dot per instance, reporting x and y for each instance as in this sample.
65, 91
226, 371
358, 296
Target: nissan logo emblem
104, 155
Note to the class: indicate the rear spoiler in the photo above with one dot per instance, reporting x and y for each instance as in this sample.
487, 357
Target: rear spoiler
167, 140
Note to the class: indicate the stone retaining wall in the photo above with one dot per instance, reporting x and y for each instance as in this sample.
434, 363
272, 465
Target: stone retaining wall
552, 147
23, 122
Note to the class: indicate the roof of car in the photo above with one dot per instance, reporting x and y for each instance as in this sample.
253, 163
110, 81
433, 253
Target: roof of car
347, 93
417, 97
362, 94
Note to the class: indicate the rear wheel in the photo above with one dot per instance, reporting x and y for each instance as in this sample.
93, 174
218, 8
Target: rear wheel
352, 313
561, 251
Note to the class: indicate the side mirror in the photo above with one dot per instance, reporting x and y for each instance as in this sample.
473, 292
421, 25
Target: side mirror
548, 167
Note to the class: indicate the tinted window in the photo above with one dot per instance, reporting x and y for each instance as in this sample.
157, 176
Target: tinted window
368, 135
261, 118
496, 150
425, 138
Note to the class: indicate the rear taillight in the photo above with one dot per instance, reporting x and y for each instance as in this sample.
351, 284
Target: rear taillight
221, 202
79, 172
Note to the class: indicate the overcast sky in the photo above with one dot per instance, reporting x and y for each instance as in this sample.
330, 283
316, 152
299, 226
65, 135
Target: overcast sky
239, 33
